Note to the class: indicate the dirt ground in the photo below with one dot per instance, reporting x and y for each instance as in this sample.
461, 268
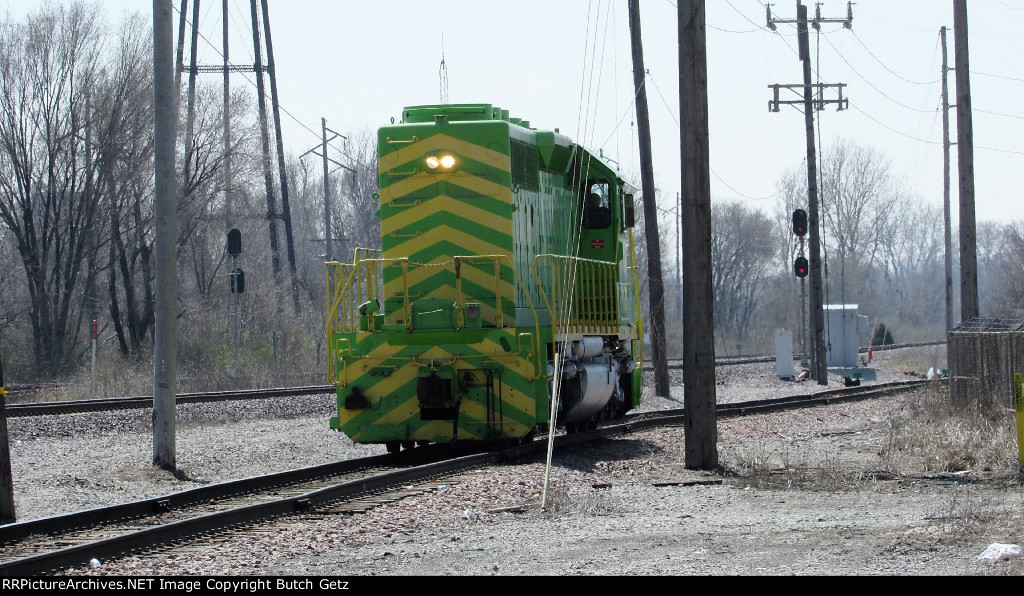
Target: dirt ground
885, 487
898, 486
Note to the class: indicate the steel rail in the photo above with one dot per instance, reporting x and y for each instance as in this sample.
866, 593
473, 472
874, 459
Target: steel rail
251, 514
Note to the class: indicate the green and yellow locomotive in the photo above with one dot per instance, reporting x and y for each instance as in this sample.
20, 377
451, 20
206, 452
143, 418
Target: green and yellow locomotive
506, 278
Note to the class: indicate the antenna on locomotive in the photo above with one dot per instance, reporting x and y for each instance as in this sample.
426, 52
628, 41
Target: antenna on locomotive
442, 73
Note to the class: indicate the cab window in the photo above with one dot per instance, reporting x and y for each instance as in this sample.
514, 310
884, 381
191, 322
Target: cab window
597, 205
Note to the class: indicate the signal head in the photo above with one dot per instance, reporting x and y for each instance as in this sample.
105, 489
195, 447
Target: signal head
800, 223
801, 267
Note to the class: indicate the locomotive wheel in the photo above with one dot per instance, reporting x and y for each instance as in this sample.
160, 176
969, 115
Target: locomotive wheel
393, 446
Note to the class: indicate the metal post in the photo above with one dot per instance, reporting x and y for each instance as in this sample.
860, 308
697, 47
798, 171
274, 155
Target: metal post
165, 356
94, 355
268, 176
327, 195
286, 213
228, 176
7, 514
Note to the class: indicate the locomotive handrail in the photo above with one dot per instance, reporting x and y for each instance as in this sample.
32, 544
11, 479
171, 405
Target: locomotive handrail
342, 311
597, 308
634, 268
391, 141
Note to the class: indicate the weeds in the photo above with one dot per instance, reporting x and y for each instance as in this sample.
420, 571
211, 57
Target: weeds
925, 434
935, 435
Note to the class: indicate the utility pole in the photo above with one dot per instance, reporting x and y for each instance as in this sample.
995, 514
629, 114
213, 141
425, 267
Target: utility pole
700, 409
817, 293
947, 183
657, 284
819, 366
328, 230
165, 352
965, 144
679, 257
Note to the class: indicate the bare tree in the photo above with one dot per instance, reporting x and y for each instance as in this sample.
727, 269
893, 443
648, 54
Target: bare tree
1001, 268
356, 222
744, 248
49, 186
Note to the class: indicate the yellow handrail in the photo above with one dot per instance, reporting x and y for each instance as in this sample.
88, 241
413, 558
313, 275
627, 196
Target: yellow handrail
350, 285
584, 299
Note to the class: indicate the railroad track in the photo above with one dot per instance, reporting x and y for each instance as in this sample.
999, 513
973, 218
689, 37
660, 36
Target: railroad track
51, 544
19, 410
136, 403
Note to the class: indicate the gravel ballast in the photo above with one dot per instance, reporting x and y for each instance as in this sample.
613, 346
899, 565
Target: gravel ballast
626, 506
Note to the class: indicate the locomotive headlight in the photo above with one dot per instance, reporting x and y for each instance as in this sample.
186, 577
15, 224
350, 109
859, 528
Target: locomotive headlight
443, 162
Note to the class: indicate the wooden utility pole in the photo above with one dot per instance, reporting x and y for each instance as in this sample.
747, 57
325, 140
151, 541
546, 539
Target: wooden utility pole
965, 145
700, 402
818, 364
946, 184
165, 353
816, 328
679, 258
657, 284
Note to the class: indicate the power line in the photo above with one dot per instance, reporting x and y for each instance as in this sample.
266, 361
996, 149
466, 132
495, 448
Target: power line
885, 66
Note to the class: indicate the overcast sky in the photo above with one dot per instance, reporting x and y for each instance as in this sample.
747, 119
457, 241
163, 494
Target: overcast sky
566, 64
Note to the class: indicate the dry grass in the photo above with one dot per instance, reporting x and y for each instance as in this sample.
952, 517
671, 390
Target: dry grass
931, 434
915, 361
927, 434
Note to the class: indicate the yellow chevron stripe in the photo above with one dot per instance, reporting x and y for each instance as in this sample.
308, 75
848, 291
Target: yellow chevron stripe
485, 279
471, 244
409, 185
482, 186
395, 160
410, 217
477, 184
399, 415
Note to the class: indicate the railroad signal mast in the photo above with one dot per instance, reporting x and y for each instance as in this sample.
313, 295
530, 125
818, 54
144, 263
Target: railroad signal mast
236, 277
801, 268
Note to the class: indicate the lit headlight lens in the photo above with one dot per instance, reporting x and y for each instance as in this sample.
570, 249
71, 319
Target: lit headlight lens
444, 162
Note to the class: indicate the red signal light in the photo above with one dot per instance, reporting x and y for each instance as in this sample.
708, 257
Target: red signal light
801, 268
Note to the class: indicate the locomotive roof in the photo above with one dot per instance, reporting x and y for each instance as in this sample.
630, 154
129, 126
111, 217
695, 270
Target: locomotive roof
480, 112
